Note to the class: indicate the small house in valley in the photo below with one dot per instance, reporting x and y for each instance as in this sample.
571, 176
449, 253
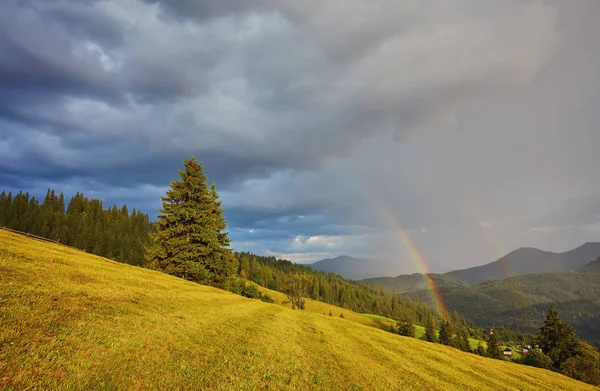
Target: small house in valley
508, 352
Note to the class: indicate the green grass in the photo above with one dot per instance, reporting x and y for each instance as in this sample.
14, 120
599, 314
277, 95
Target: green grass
73, 321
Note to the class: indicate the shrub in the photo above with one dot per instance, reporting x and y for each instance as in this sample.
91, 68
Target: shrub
251, 291
584, 366
537, 358
266, 298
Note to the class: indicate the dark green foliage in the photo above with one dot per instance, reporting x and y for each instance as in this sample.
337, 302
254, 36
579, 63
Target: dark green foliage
247, 289
556, 339
481, 350
493, 347
430, 335
266, 298
445, 332
520, 303
251, 291
406, 328
461, 339
584, 365
190, 241
86, 225
537, 358
561, 351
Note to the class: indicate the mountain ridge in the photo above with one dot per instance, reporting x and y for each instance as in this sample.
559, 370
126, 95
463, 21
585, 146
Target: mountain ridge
356, 268
522, 261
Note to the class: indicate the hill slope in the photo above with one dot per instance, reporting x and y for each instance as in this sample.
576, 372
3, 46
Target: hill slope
356, 268
521, 302
76, 321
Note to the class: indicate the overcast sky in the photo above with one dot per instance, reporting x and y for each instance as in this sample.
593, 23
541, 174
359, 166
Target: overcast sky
474, 124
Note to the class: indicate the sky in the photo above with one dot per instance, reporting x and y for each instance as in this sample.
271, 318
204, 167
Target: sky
474, 125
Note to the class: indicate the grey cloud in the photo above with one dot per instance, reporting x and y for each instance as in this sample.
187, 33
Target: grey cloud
294, 108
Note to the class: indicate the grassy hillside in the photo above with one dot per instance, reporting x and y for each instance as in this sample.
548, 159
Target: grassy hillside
73, 321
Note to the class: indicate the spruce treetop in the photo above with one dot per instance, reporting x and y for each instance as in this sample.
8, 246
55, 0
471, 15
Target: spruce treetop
190, 241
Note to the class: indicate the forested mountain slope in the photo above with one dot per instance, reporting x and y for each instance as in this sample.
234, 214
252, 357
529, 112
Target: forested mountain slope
520, 302
413, 282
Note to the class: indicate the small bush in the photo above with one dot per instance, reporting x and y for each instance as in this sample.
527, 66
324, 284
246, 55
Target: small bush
251, 291
342, 315
537, 358
266, 298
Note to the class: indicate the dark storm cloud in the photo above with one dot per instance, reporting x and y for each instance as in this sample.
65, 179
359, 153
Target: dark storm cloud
314, 119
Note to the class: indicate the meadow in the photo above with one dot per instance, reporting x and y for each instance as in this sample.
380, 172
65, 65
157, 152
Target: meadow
74, 321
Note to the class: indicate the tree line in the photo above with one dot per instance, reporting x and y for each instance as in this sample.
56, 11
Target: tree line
113, 233
281, 275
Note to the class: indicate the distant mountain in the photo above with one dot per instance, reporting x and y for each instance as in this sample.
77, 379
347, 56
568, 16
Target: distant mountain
357, 268
520, 302
529, 260
523, 261
413, 282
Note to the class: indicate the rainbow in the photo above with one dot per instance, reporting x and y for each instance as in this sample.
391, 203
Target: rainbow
419, 261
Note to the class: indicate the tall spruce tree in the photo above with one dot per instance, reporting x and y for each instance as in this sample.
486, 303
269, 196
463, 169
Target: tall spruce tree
445, 332
493, 348
430, 330
189, 241
556, 339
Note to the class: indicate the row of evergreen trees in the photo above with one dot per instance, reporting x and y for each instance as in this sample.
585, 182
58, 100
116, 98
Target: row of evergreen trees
84, 223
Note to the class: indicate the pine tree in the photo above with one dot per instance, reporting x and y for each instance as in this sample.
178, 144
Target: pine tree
556, 339
445, 332
430, 330
481, 350
461, 341
189, 241
245, 267
493, 348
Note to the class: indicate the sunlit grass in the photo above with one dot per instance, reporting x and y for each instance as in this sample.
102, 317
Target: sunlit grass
73, 321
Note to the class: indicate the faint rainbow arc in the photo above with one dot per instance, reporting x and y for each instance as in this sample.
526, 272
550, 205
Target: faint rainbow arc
419, 261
